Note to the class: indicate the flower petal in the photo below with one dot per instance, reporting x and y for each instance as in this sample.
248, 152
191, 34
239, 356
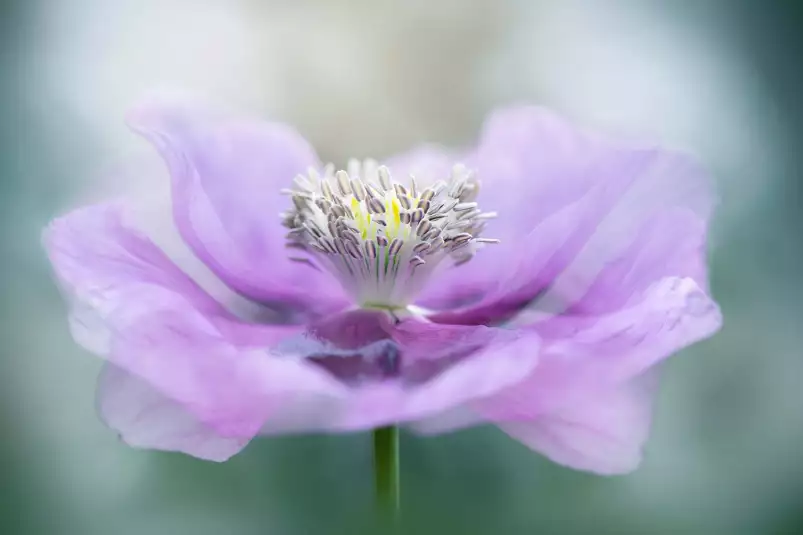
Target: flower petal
112, 273
571, 203
583, 354
179, 345
603, 434
439, 368
227, 175
146, 418
447, 421
485, 373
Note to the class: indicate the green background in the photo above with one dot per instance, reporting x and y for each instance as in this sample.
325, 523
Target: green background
366, 78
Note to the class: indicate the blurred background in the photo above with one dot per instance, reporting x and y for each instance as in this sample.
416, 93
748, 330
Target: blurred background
368, 78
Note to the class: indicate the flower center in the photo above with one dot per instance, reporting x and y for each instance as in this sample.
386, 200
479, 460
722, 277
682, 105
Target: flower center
380, 237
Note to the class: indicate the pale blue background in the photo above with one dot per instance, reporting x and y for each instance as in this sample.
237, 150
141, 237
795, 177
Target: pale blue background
361, 78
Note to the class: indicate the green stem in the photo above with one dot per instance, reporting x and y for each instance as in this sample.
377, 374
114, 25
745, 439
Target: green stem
386, 473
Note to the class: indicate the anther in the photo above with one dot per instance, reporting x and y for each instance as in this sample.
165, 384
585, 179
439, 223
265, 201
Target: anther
358, 188
300, 203
352, 249
343, 182
432, 234
316, 233
421, 248
464, 206
375, 206
423, 227
384, 178
371, 191
462, 237
447, 206
417, 216
326, 189
395, 247
468, 214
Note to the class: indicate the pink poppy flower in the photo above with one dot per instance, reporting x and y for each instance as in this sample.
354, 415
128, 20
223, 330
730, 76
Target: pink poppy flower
533, 282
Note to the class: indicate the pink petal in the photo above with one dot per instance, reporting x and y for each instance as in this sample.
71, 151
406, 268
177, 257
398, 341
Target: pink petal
154, 324
488, 372
571, 203
448, 421
425, 341
669, 244
603, 434
146, 418
442, 368
226, 176
230, 388
101, 264
583, 354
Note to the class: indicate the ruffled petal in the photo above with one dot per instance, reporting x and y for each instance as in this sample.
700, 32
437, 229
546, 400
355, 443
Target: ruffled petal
110, 272
402, 372
485, 373
448, 421
586, 353
226, 180
583, 354
145, 418
172, 344
570, 204
603, 434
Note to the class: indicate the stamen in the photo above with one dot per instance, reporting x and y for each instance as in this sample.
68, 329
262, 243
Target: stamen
376, 206
343, 183
395, 247
382, 238
358, 188
423, 227
384, 178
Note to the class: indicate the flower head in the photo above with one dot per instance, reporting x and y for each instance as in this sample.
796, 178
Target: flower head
400, 292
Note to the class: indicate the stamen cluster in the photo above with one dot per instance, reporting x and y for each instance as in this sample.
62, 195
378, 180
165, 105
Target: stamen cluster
381, 238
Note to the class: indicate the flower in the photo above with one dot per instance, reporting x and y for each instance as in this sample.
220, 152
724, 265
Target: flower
398, 293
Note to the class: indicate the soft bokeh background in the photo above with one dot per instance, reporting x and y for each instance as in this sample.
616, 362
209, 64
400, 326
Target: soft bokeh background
360, 78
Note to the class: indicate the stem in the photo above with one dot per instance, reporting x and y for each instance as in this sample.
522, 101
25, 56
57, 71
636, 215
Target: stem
386, 473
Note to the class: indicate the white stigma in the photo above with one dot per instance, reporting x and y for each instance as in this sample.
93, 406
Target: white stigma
382, 238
